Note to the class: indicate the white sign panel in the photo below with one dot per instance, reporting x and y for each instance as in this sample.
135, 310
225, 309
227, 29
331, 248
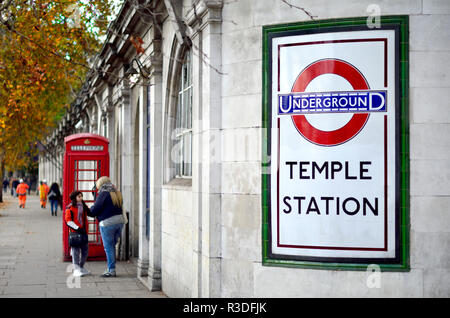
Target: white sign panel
333, 145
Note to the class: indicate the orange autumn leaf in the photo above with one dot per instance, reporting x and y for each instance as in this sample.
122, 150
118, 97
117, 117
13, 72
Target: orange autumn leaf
137, 43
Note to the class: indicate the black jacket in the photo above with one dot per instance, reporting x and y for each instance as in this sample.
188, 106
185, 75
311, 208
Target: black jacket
55, 189
104, 208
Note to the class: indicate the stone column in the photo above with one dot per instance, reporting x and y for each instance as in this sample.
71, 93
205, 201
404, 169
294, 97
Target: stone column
155, 165
143, 249
207, 50
110, 114
127, 162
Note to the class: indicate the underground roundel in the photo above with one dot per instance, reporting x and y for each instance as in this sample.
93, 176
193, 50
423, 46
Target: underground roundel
360, 102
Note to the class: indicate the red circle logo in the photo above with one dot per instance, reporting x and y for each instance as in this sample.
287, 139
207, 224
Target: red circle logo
356, 123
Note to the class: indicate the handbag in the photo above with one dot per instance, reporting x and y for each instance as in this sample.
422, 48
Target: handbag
77, 239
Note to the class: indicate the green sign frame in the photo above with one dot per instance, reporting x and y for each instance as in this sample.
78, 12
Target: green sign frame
401, 23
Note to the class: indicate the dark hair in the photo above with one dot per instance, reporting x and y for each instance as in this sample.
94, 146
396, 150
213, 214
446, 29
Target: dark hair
55, 188
73, 197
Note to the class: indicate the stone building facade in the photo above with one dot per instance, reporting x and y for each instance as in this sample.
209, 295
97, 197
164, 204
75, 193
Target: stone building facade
184, 120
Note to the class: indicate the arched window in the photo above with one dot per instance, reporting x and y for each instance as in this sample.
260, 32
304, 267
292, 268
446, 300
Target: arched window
183, 120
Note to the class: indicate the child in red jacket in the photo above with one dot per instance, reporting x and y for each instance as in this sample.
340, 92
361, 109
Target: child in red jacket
76, 218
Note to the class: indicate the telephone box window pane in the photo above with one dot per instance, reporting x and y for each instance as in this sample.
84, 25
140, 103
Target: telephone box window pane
89, 196
92, 226
87, 175
93, 233
88, 164
85, 185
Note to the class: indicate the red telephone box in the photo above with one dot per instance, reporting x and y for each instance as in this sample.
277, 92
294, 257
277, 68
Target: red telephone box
86, 159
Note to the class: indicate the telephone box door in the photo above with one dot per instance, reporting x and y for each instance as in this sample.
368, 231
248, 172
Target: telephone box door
86, 160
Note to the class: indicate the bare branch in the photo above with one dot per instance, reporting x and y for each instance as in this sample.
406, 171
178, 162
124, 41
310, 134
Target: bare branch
301, 9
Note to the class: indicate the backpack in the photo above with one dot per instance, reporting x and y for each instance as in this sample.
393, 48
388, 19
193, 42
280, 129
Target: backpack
52, 195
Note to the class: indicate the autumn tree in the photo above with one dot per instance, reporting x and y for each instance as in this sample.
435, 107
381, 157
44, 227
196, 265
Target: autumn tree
45, 49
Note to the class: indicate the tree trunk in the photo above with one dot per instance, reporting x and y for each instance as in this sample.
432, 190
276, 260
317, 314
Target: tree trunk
2, 176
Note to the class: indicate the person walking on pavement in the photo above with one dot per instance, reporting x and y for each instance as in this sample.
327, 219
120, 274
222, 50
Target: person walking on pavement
5, 185
21, 191
29, 185
43, 192
76, 219
53, 196
108, 210
14, 185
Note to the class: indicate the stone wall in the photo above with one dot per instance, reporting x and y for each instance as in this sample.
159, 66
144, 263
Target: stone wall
242, 271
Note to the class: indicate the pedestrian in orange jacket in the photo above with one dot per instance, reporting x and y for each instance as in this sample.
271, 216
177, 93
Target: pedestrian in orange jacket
43, 192
21, 191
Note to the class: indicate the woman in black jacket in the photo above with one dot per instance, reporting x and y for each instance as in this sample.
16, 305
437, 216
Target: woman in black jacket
54, 196
108, 210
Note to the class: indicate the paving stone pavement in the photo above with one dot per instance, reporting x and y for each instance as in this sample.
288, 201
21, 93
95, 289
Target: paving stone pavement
31, 263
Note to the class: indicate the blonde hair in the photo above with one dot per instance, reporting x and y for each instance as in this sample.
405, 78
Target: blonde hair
102, 181
116, 196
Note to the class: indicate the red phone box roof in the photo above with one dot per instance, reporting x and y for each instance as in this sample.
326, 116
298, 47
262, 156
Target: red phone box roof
86, 142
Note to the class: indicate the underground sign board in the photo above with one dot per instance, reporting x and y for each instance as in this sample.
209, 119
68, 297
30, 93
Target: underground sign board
334, 173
